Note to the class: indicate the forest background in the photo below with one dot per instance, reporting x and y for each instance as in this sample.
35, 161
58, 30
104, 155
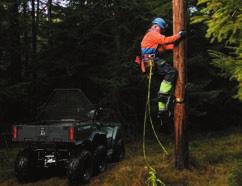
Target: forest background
92, 44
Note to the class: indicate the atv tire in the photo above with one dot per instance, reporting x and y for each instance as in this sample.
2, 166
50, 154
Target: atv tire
100, 159
119, 150
25, 166
80, 168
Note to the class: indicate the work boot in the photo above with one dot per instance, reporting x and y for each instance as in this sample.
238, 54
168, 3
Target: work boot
164, 116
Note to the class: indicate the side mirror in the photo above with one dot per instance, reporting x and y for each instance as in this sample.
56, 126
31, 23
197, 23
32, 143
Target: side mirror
95, 113
91, 114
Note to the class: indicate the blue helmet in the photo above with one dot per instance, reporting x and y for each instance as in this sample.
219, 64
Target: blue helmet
161, 22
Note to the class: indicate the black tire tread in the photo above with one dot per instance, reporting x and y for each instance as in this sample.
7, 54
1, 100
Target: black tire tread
100, 152
74, 166
25, 172
119, 150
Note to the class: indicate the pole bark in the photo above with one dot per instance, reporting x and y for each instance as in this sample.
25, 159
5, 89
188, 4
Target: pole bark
181, 141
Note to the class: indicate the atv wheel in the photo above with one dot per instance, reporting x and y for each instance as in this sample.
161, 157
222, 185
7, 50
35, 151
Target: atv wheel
25, 165
80, 168
119, 150
100, 159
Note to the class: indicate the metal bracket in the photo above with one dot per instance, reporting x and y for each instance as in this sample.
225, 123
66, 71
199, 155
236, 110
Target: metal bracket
179, 100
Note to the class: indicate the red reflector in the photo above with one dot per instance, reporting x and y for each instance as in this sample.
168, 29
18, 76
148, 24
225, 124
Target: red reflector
71, 134
138, 60
14, 133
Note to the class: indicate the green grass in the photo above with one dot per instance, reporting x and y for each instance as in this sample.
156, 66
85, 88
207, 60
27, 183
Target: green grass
215, 160
235, 178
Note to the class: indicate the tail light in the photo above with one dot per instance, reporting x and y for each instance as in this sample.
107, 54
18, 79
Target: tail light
71, 134
14, 133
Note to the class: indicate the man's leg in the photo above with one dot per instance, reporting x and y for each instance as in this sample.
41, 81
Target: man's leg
163, 94
169, 73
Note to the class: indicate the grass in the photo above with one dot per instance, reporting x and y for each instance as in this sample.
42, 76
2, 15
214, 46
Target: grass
7, 157
215, 160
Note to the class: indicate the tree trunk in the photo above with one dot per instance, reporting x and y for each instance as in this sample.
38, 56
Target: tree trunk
15, 68
34, 34
50, 23
181, 141
26, 39
37, 20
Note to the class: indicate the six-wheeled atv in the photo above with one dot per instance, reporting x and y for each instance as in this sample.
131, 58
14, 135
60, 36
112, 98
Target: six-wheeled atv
66, 134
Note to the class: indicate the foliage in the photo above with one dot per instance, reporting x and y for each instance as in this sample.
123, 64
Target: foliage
89, 45
223, 19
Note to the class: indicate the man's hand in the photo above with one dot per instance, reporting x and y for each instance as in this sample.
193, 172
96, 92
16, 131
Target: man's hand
182, 34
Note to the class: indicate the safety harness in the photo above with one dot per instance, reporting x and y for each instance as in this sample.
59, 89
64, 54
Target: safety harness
145, 61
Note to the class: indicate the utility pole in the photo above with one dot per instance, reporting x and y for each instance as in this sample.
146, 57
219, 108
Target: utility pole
181, 141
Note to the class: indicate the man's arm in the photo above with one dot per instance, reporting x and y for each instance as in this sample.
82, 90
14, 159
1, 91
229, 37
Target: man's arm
165, 47
168, 47
163, 40
168, 42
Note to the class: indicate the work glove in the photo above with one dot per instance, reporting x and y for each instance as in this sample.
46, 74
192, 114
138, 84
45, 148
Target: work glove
182, 34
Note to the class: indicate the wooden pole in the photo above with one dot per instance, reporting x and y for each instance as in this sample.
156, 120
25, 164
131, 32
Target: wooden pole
181, 141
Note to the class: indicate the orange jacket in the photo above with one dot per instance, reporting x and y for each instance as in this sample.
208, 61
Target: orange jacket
154, 41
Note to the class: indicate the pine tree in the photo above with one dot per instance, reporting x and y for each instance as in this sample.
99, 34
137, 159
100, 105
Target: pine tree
223, 19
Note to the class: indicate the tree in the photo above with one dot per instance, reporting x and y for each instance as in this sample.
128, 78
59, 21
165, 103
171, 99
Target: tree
223, 19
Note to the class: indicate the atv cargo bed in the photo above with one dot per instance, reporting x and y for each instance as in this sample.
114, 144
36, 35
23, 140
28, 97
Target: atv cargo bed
43, 133
68, 132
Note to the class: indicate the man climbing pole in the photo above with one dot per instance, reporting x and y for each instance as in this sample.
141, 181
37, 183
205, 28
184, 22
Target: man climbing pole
154, 45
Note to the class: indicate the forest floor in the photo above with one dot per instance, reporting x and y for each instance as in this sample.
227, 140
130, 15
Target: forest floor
215, 160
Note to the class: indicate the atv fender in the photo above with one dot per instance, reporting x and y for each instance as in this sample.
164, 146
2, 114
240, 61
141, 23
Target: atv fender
96, 138
116, 133
99, 139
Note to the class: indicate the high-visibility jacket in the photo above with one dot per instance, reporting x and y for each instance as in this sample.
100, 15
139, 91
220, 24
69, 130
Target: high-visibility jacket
153, 41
